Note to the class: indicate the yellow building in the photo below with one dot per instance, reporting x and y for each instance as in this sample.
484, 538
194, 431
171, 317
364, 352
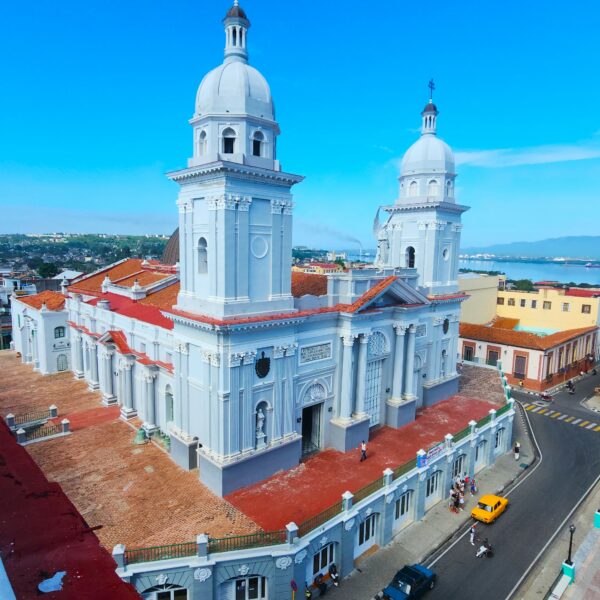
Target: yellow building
480, 306
548, 310
318, 268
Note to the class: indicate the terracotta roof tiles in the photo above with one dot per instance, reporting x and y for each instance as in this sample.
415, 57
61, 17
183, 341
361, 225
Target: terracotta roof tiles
52, 300
308, 283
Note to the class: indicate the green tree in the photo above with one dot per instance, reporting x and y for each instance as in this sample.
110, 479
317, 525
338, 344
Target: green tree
523, 285
47, 270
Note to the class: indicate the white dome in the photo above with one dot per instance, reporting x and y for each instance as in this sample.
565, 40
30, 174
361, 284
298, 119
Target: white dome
428, 154
236, 88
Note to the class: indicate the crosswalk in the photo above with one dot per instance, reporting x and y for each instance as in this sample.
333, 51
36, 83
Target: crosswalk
559, 416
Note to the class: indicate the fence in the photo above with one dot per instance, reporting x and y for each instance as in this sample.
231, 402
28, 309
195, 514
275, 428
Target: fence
31, 418
243, 542
43, 431
314, 522
367, 490
138, 555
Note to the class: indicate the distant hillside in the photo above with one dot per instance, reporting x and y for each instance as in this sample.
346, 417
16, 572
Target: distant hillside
576, 246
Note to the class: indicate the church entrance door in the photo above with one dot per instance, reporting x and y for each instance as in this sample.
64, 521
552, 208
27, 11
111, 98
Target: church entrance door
373, 391
311, 428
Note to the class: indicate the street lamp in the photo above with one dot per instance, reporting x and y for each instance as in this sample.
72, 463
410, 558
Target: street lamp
571, 531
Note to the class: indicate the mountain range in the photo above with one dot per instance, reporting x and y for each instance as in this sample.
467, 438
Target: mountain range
576, 246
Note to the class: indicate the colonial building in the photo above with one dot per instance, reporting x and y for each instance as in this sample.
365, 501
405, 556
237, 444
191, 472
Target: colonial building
245, 367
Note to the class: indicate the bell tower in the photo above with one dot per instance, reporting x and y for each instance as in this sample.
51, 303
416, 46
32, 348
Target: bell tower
235, 202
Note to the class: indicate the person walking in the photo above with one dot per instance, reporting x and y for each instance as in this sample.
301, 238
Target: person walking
517, 450
363, 451
473, 487
472, 533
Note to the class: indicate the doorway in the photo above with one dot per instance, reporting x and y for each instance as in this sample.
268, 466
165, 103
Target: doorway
311, 428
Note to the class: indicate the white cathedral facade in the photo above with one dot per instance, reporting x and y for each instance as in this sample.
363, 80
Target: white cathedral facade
245, 372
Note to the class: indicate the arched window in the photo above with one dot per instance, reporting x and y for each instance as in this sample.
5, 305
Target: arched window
59, 332
228, 141
449, 189
202, 142
413, 188
202, 256
61, 362
432, 188
257, 142
169, 404
410, 258
235, 36
443, 363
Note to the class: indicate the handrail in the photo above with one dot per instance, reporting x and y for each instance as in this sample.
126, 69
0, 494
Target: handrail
243, 542
137, 555
324, 516
43, 431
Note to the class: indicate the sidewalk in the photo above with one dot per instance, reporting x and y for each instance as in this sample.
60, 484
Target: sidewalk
421, 539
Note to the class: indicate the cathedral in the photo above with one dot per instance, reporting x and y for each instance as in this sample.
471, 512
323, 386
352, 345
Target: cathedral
245, 366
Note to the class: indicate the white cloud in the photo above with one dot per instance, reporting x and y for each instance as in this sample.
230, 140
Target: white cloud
535, 155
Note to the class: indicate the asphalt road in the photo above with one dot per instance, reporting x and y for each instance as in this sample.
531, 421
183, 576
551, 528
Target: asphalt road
570, 464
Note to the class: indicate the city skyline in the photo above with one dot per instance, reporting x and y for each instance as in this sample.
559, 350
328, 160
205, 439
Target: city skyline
114, 96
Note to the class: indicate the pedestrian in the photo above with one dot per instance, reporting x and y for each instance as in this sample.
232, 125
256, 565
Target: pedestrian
473, 487
363, 451
472, 533
456, 503
521, 383
461, 502
517, 450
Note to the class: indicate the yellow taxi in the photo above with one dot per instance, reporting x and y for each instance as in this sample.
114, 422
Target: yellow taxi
489, 508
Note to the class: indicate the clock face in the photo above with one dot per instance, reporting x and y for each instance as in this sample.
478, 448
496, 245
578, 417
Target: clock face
446, 325
263, 366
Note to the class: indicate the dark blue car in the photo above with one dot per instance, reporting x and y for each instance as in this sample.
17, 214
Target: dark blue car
410, 582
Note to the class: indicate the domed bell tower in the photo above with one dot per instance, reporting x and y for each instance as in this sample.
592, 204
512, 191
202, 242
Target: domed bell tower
422, 233
235, 203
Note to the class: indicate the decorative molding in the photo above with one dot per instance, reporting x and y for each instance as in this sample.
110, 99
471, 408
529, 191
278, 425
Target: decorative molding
400, 329
300, 557
226, 202
323, 540
244, 203
369, 511
202, 574
162, 579
212, 358
249, 357
235, 359
283, 562
456, 227
389, 498
278, 351
244, 570
349, 524
348, 339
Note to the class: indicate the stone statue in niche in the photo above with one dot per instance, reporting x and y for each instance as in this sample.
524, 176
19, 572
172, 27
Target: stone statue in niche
261, 436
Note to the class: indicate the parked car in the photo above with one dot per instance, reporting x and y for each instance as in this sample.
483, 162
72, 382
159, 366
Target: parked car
489, 508
410, 582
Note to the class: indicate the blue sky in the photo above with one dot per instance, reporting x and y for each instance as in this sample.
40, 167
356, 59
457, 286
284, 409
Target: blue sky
96, 98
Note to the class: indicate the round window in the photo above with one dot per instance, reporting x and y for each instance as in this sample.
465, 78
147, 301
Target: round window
446, 325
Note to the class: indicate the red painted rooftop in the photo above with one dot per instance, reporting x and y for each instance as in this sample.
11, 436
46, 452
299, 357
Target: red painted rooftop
320, 481
41, 532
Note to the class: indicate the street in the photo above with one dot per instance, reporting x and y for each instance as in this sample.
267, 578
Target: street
570, 463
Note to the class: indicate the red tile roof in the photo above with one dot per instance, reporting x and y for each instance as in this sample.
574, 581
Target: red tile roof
521, 339
123, 273
308, 283
581, 293
504, 323
367, 297
52, 300
144, 310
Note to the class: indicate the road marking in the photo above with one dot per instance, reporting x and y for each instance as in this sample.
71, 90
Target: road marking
536, 409
555, 415
584, 424
591, 425
543, 411
530, 407
562, 417
569, 419
576, 421
526, 404
597, 429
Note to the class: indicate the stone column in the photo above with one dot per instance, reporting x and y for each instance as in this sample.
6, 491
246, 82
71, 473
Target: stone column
150, 424
409, 377
278, 388
361, 375
235, 437
289, 406
93, 383
34, 348
109, 392
78, 355
346, 387
398, 362
248, 416
127, 410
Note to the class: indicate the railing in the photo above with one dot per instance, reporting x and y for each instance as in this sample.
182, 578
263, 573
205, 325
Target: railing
503, 409
405, 468
137, 555
243, 542
33, 415
367, 490
463, 433
322, 517
43, 431
484, 421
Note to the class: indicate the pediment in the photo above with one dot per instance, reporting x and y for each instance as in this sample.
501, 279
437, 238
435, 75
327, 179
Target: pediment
396, 294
